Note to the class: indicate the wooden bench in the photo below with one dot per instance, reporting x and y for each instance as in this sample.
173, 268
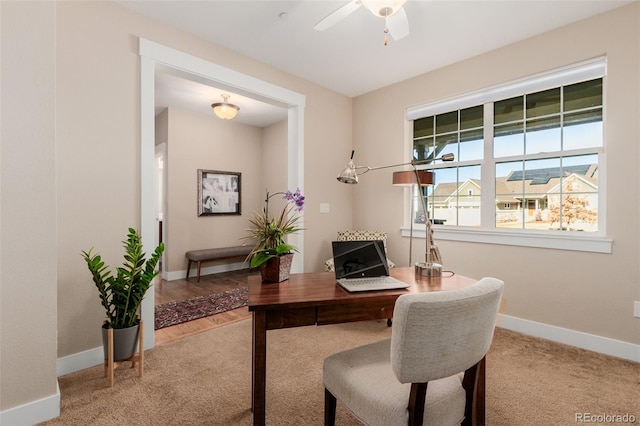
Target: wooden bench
208, 255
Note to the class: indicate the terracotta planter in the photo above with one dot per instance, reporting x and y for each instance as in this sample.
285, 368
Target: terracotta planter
125, 341
277, 269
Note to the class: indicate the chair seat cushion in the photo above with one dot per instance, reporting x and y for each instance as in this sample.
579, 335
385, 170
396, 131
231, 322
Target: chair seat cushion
368, 368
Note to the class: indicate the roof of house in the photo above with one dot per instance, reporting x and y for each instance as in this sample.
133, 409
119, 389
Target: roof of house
534, 183
543, 176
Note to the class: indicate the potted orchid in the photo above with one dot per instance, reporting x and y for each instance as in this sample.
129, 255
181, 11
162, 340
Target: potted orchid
271, 253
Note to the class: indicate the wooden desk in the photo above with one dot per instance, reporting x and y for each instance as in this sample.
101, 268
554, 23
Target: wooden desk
315, 298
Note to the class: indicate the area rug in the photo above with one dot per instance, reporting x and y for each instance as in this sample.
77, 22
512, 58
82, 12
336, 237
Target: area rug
173, 313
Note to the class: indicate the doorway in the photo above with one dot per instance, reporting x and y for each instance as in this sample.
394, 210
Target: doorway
154, 56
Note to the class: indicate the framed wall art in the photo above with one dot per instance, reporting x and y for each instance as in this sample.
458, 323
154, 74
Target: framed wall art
218, 193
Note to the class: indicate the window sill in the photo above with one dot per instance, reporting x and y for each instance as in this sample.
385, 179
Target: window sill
582, 242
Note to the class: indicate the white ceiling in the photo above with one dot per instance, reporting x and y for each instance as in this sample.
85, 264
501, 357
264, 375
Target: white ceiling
179, 92
350, 57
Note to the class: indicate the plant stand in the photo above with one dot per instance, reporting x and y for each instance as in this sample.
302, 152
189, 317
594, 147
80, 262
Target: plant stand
110, 365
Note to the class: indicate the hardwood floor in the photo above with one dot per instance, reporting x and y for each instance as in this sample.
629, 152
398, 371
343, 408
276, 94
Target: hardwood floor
169, 291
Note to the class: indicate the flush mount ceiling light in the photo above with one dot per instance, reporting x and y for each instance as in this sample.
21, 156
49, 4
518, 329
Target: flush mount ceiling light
224, 109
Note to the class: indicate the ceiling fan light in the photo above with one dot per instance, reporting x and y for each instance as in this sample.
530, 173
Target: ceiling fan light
225, 110
383, 8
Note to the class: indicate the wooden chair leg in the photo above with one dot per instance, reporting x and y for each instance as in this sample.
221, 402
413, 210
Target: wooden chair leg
199, 263
329, 408
417, 399
480, 405
188, 268
474, 390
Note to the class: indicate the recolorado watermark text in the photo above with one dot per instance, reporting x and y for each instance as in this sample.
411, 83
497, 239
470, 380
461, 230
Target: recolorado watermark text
604, 418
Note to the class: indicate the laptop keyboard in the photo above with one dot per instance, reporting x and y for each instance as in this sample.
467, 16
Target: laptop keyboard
373, 283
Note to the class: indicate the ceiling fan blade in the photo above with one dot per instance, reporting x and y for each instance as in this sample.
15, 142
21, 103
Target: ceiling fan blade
337, 15
398, 24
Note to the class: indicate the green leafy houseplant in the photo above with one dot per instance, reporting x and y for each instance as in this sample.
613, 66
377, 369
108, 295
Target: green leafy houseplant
122, 293
269, 232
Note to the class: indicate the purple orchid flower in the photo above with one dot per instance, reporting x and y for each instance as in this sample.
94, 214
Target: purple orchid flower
296, 198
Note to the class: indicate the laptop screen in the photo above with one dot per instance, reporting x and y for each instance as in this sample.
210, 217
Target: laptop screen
357, 259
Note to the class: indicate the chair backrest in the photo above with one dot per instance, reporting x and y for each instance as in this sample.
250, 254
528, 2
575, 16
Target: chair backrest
363, 236
442, 333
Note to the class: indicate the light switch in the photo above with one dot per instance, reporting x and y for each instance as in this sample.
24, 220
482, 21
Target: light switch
324, 208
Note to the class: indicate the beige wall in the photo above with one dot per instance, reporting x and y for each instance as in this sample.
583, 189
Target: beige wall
587, 292
325, 157
198, 141
274, 168
162, 127
28, 206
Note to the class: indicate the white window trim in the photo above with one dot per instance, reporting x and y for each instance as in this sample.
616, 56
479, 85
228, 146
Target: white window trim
596, 242
521, 238
582, 71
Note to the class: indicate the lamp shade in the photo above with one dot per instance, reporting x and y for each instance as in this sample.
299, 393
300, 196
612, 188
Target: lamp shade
408, 177
349, 175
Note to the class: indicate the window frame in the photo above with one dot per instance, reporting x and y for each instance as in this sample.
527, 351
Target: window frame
488, 232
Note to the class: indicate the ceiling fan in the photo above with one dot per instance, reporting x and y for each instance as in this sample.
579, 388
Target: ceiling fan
396, 22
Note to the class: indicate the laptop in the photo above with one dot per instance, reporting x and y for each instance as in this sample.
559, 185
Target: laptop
362, 266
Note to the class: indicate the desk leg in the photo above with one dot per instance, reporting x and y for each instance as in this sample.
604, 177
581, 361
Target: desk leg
259, 373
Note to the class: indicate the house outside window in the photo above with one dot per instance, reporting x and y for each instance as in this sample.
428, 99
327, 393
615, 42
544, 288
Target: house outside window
529, 161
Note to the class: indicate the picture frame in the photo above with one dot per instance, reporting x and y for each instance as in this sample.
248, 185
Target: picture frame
219, 193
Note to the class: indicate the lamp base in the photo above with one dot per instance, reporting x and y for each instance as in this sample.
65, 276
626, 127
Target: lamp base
428, 270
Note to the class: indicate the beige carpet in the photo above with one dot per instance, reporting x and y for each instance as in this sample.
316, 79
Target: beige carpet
206, 380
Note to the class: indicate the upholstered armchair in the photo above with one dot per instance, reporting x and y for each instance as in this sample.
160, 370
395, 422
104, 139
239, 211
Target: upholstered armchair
414, 377
360, 236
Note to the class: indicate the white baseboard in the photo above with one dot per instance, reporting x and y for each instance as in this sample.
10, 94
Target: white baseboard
79, 361
33, 412
603, 345
207, 270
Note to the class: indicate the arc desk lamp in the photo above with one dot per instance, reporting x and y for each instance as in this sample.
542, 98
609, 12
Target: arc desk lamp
431, 266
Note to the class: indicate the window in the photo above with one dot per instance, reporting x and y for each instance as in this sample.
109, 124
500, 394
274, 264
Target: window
451, 200
527, 155
538, 132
